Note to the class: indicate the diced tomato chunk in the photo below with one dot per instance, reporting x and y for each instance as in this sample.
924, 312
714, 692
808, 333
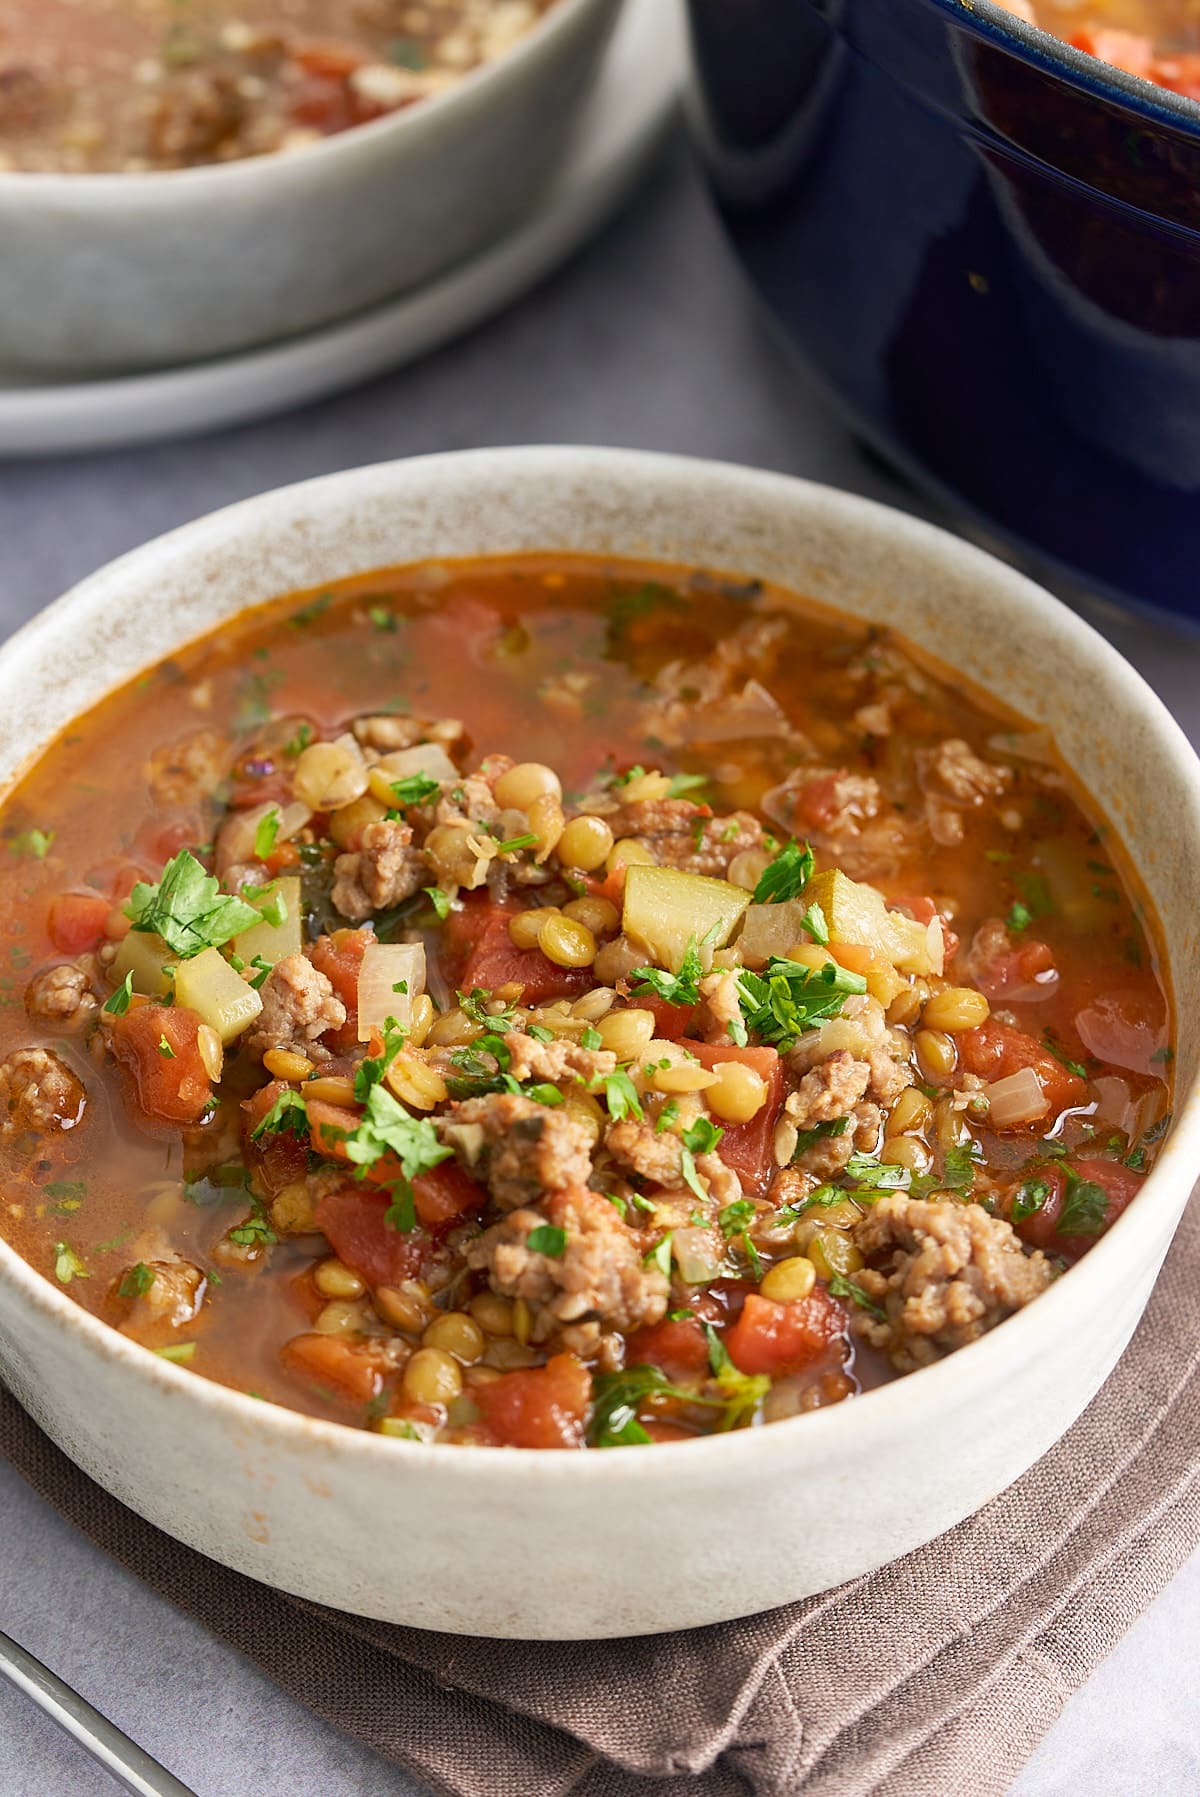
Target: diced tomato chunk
169, 1082
678, 1348
749, 1147
355, 1220
446, 1192
539, 1407
341, 1368
495, 960
277, 1158
339, 956
1026, 972
1119, 1183
994, 1050
671, 1022
76, 921
785, 1338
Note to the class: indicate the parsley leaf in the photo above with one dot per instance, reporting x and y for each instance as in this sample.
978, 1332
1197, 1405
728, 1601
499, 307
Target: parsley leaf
660, 1255
255, 1232
785, 877
188, 909
684, 783
288, 1114
620, 1095
841, 1287
1060, 1054
265, 833
1029, 1198
814, 922
1019, 917
546, 1239
591, 1039
136, 1282
67, 1264
734, 1218
439, 900
616, 1400
387, 1128
513, 843
743, 1392
415, 789
122, 998
808, 1138
1085, 1206
788, 998
680, 988
165, 1049
33, 842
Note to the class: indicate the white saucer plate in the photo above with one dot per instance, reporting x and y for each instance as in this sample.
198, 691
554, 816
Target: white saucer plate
619, 128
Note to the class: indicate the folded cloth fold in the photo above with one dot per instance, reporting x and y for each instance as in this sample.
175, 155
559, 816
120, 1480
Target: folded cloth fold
936, 1674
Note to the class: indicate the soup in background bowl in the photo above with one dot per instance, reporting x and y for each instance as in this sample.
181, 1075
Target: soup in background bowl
523, 1262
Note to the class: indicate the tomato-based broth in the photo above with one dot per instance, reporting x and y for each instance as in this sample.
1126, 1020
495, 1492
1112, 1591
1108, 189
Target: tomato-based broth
549, 1002
121, 85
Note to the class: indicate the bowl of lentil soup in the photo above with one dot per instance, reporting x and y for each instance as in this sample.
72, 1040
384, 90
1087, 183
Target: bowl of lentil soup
554, 1030
182, 181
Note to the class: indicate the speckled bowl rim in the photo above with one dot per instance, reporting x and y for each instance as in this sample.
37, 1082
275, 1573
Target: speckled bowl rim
1089, 73
407, 122
888, 1411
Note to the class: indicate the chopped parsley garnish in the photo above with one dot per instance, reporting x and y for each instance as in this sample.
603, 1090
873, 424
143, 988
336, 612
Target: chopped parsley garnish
165, 1049
387, 1128
371, 1068
121, 999
262, 968
188, 909
744, 1392
33, 842
680, 1316
299, 742
735, 1217
617, 1398
181, 1353
68, 1194
439, 900
787, 999
620, 1095
685, 783
544, 1093
513, 843
288, 1115
255, 1232
136, 1282
382, 618
265, 833
474, 1004
618, 1203
701, 1137
546, 1239
591, 1039
808, 1138
540, 1033
1019, 917
1029, 1198
667, 1116
1060, 1054
841, 1287
415, 789
67, 1264
787, 876
1163, 1055
660, 1255
867, 1170
1085, 1206
814, 922
680, 988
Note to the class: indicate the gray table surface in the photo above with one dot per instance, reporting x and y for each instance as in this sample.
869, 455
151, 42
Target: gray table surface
648, 339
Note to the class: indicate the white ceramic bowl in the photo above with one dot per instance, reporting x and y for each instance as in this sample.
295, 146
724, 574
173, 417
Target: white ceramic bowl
121, 271
532, 1544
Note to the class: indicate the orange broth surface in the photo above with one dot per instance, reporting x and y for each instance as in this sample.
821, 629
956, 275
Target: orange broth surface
594, 669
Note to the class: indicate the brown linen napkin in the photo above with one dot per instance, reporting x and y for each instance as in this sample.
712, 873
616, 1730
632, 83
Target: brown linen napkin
936, 1675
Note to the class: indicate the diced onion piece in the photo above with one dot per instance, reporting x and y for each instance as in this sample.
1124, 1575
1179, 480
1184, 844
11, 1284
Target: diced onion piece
267, 941
391, 976
769, 930
697, 1256
670, 910
236, 837
1017, 1098
350, 743
148, 959
292, 818
208, 985
422, 758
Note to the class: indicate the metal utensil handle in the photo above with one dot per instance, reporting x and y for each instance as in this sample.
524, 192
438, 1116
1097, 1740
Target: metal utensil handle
128, 1763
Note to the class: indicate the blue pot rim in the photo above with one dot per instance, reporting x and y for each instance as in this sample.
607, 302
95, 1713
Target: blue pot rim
996, 24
